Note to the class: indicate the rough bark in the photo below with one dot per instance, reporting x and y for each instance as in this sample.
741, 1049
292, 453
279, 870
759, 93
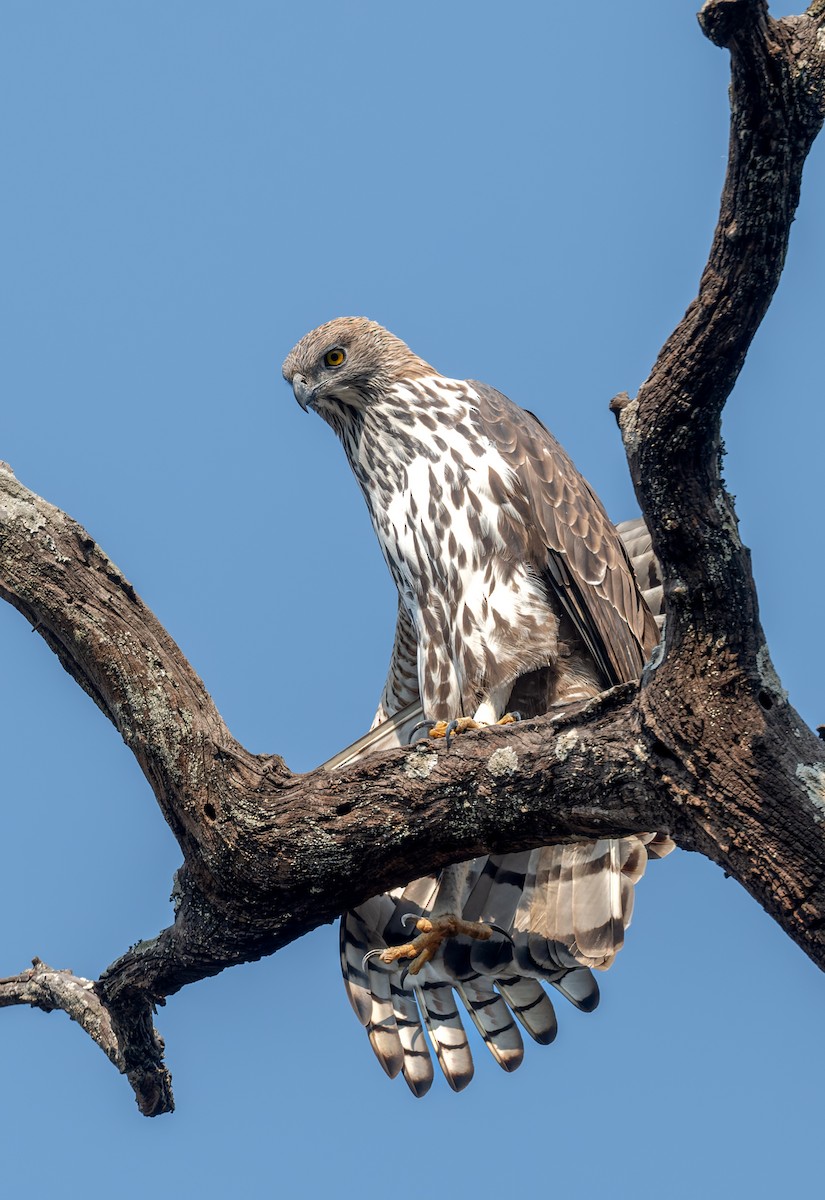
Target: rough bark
706, 747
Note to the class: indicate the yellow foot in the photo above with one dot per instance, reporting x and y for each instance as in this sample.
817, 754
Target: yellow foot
446, 729
431, 935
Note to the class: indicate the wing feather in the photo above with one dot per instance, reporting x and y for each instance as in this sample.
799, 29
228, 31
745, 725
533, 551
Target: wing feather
441, 1018
493, 1020
570, 538
417, 1067
531, 1007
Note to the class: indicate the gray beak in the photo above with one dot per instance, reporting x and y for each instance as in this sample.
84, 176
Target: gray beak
302, 390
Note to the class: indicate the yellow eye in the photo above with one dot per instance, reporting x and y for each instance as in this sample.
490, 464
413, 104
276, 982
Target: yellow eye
334, 357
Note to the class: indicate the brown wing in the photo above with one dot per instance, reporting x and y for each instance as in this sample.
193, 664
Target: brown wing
571, 537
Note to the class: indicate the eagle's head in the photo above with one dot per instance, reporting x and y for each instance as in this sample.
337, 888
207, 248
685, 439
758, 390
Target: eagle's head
351, 363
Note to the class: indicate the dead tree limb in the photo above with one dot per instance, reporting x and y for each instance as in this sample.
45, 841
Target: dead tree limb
706, 748
41, 986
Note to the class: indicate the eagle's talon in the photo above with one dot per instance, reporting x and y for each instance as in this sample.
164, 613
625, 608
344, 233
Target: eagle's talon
432, 933
370, 954
428, 725
446, 729
503, 932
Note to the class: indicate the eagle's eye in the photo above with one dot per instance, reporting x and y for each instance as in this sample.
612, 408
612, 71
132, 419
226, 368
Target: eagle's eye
335, 357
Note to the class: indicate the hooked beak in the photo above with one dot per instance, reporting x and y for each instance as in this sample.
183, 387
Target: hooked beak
303, 391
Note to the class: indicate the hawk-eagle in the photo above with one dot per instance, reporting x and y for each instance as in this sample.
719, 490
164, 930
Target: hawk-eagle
515, 593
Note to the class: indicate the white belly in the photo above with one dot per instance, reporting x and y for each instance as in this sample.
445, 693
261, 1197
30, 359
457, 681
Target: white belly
468, 600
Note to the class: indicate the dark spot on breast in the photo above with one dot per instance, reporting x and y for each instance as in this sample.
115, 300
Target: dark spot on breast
497, 488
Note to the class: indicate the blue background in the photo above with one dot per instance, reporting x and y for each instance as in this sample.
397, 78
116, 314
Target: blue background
527, 197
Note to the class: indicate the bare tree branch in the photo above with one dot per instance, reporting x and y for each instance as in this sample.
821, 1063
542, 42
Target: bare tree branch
716, 661
705, 748
41, 986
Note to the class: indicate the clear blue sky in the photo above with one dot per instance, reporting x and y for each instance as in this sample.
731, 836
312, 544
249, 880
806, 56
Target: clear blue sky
526, 195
